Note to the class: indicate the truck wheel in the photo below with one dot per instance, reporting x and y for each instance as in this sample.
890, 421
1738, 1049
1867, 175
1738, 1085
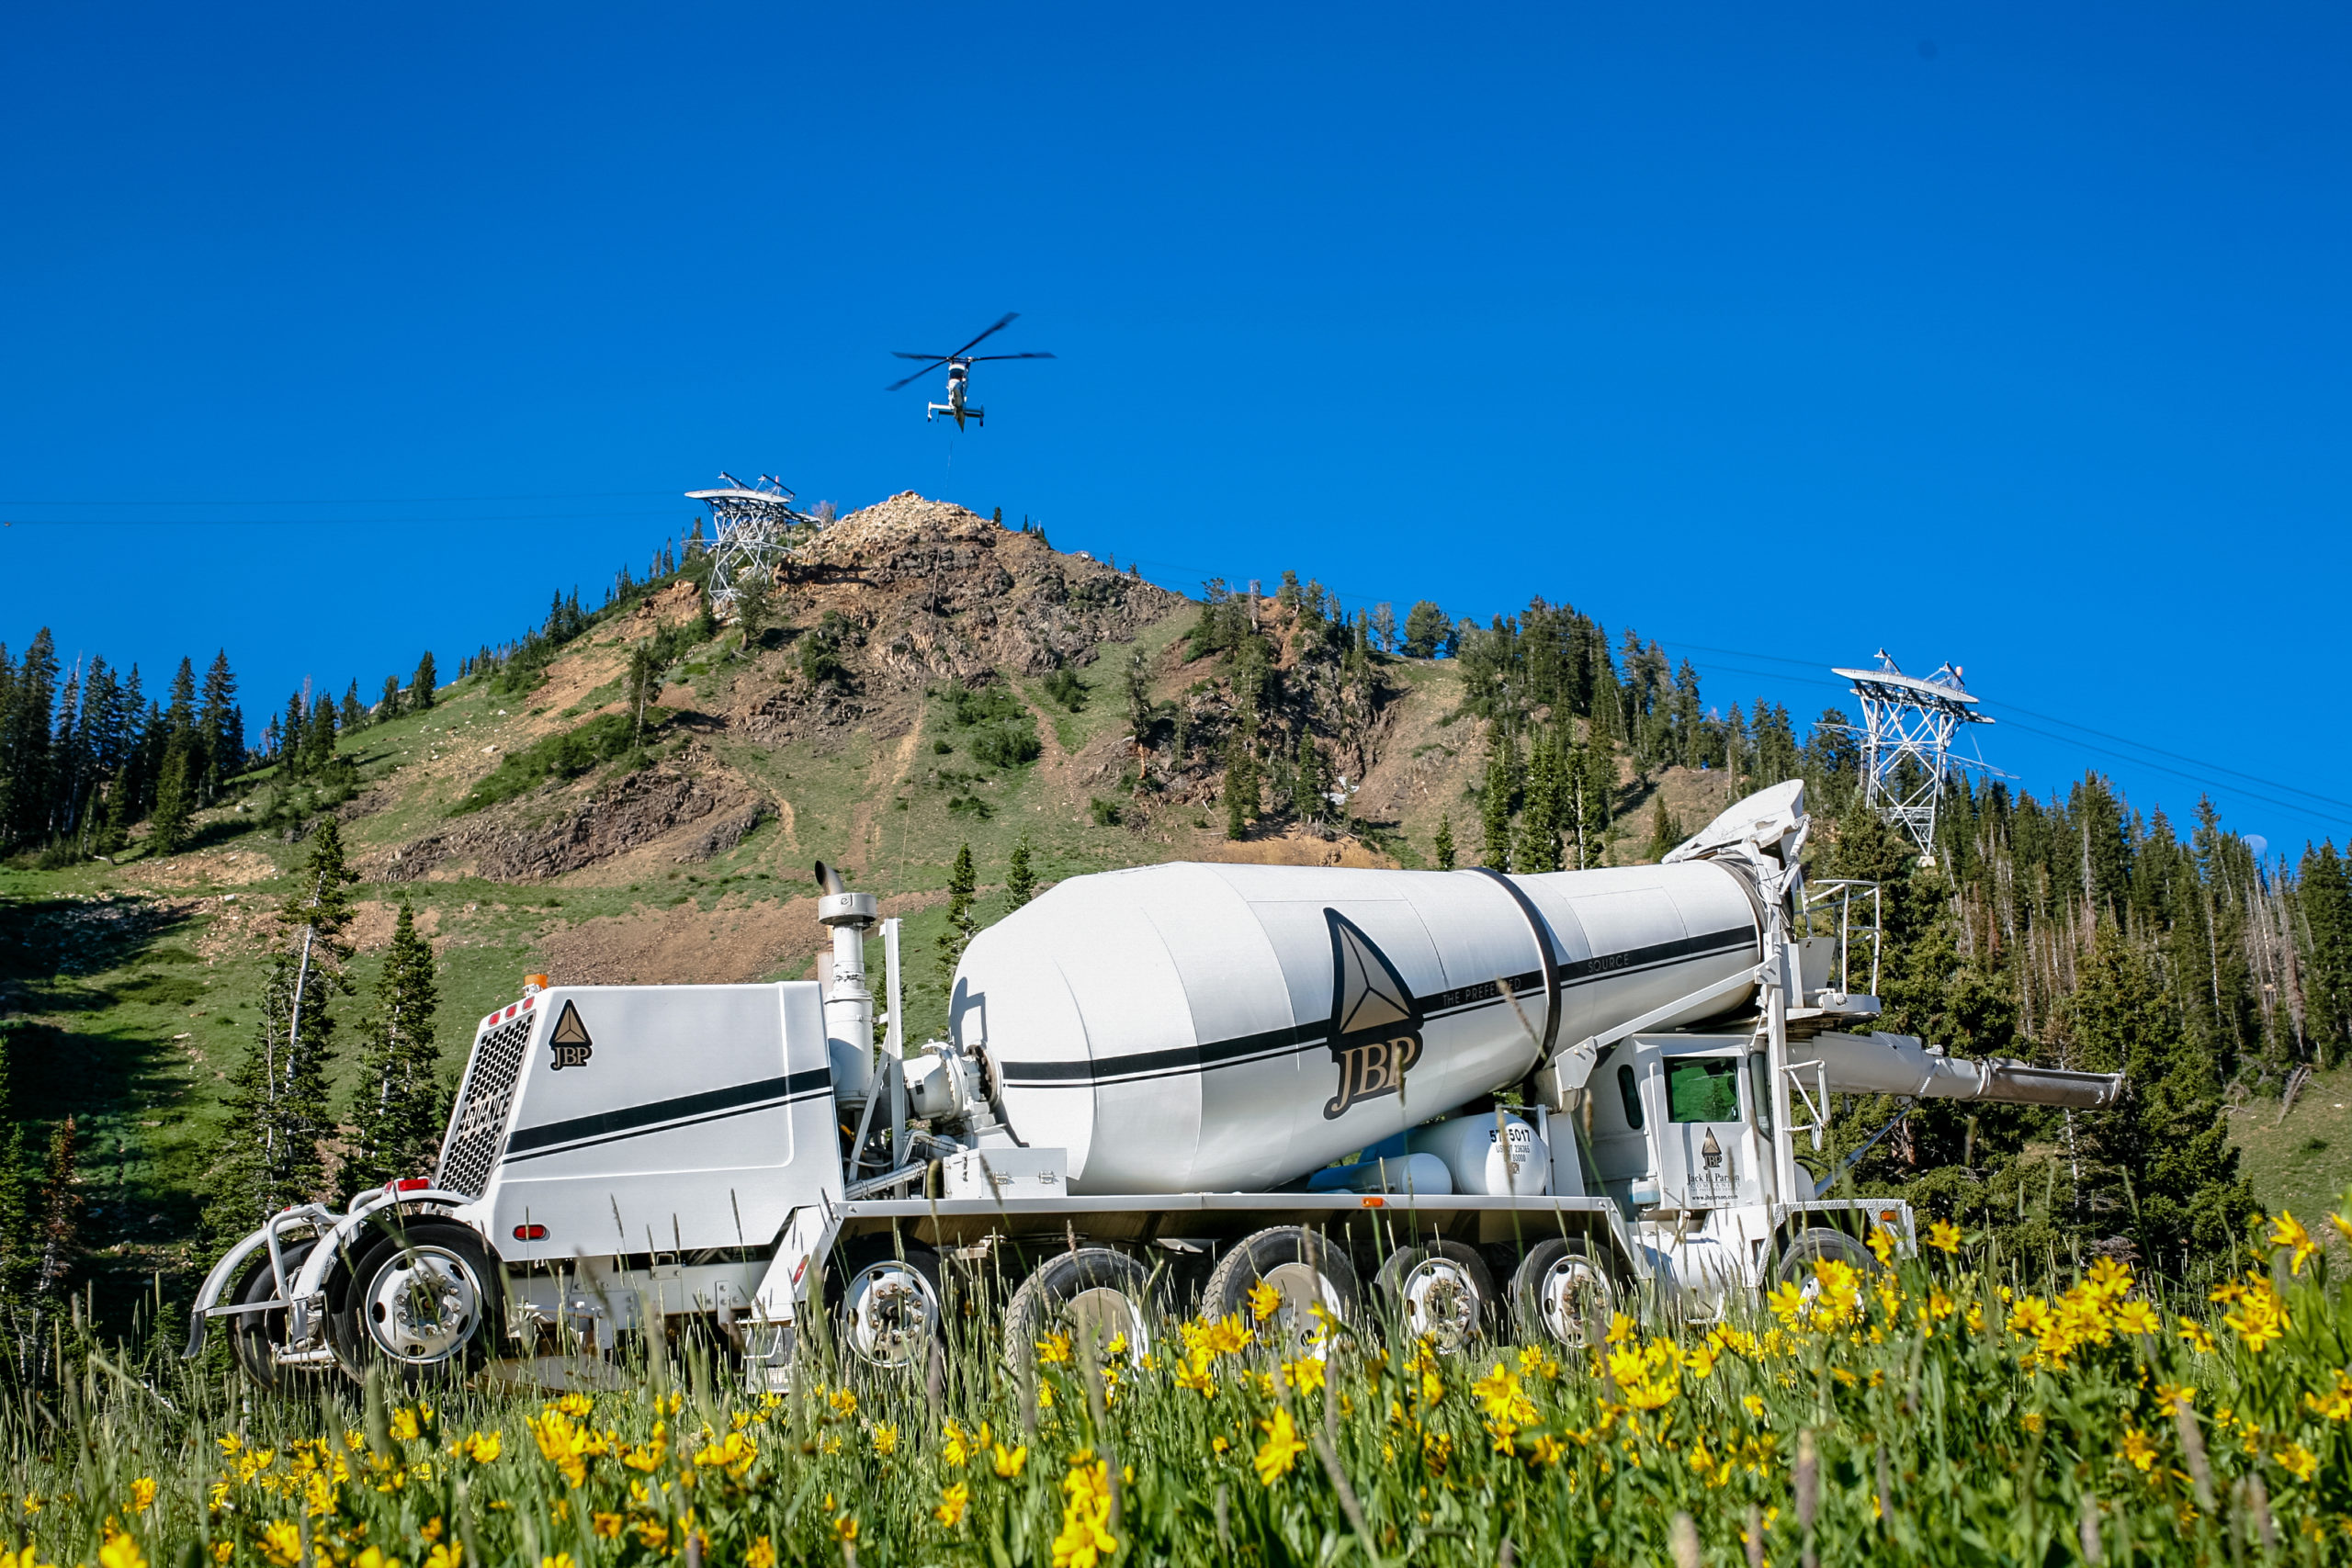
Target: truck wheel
1441, 1293
1305, 1271
1820, 1244
1560, 1293
423, 1303
887, 1307
1096, 1292
253, 1334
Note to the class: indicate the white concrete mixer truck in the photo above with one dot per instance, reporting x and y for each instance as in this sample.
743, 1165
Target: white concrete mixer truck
1475, 1102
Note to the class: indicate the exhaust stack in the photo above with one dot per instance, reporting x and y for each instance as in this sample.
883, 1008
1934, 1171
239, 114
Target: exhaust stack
1900, 1064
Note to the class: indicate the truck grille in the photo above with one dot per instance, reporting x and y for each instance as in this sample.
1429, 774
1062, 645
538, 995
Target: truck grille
480, 1128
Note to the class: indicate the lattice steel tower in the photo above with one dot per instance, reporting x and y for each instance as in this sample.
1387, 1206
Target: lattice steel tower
753, 523
1908, 720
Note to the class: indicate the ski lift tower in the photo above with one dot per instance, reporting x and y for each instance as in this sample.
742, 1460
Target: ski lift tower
754, 524
1907, 719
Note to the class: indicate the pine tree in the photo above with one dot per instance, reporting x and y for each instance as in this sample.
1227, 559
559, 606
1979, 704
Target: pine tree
1310, 783
270, 1151
1241, 784
1020, 878
397, 1107
388, 705
1443, 847
2327, 933
1426, 630
962, 884
1665, 831
644, 684
421, 685
224, 727
175, 801
26, 784
2164, 1160
354, 714
1538, 845
59, 1223
1495, 799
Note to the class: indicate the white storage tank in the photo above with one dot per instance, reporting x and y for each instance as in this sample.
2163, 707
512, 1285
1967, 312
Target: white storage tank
1231, 1028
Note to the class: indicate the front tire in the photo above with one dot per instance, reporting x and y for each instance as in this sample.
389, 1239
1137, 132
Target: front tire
423, 1303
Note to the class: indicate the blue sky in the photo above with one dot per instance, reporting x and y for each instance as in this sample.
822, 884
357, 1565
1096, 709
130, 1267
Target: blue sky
2013, 335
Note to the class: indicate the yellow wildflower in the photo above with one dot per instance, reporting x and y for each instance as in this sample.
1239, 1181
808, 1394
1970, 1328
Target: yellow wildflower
2261, 1318
885, 1438
2137, 1448
142, 1494
1085, 1539
1263, 1300
1944, 1236
1054, 1349
2297, 1460
1501, 1397
281, 1543
2137, 1317
1306, 1374
405, 1425
1280, 1451
122, 1551
1547, 1450
2288, 1231
952, 1504
2200, 1338
1010, 1461
1754, 1404
447, 1554
560, 1560
762, 1555
844, 1401
2337, 1403
608, 1526
483, 1447
1882, 1245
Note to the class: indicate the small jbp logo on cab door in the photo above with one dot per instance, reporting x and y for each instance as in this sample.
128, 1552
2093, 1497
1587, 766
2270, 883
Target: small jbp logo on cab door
569, 1040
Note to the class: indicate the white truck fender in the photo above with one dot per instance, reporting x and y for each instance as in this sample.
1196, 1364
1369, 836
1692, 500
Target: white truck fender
216, 1283
806, 1237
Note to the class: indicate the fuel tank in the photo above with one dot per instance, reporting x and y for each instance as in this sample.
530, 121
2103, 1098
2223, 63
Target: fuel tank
1195, 1027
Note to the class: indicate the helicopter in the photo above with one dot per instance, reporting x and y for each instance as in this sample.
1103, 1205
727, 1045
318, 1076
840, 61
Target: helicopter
959, 375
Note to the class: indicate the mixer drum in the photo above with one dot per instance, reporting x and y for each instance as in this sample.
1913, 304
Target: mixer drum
1232, 1028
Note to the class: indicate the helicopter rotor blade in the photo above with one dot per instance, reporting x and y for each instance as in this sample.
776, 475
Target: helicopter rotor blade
902, 354
984, 358
1008, 318
916, 376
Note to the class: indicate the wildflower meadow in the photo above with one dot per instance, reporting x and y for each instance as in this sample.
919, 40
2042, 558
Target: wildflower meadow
1930, 1409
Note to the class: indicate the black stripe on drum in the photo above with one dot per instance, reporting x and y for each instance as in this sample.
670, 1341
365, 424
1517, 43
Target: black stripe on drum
659, 1115
1450, 1003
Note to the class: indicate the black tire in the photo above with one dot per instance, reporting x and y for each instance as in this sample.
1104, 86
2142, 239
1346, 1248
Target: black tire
1442, 1291
1818, 1244
1563, 1293
887, 1304
423, 1302
1304, 1267
251, 1334
1094, 1287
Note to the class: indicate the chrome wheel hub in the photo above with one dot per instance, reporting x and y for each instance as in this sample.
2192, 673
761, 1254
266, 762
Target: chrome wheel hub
891, 1313
423, 1306
1441, 1303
